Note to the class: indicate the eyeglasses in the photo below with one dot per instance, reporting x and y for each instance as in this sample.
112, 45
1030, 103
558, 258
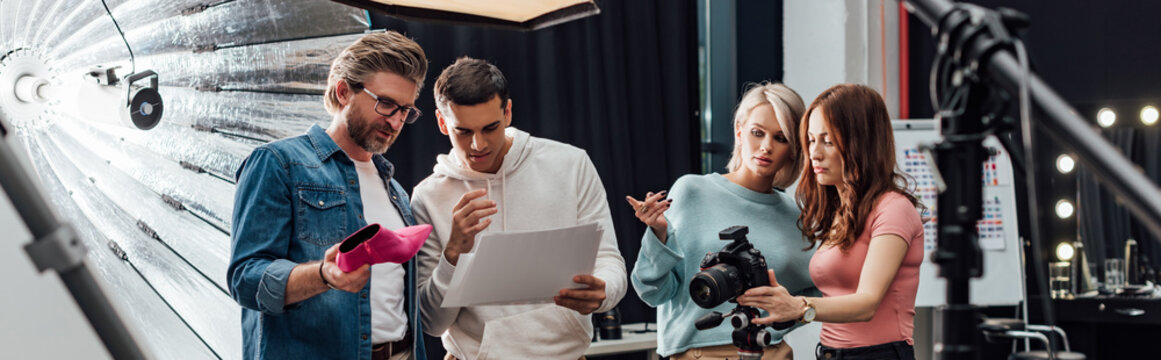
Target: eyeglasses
389, 108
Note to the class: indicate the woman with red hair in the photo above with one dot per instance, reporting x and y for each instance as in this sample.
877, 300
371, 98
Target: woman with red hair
856, 209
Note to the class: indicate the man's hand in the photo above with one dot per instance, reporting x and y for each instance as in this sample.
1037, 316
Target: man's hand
351, 282
468, 219
585, 300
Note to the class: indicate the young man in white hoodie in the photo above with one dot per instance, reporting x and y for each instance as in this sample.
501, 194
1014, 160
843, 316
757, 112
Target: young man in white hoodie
498, 178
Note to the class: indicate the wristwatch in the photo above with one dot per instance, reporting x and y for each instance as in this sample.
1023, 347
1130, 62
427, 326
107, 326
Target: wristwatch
807, 312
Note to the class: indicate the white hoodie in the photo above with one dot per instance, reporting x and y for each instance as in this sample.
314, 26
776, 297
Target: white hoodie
553, 185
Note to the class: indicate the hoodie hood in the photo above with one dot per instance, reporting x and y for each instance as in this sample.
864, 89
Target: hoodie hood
453, 167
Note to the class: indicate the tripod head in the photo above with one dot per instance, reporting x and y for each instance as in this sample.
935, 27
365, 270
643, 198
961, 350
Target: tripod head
750, 339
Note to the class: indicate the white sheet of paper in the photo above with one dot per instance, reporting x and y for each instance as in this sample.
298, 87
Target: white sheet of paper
523, 267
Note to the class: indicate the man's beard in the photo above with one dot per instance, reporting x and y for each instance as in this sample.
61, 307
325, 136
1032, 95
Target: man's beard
366, 135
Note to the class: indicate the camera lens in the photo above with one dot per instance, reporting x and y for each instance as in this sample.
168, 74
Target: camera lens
609, 324
715, 285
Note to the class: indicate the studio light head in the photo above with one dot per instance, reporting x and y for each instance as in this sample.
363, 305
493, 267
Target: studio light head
131, 101
144, 102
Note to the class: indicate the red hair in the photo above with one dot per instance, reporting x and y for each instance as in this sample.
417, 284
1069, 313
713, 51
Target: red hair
858, 124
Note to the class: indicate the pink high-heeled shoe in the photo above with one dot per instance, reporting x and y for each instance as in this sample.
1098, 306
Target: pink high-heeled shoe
374, 244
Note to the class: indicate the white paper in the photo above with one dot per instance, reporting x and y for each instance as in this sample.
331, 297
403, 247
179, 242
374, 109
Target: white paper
523, 267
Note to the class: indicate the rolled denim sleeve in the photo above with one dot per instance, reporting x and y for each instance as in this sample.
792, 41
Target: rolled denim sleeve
261, 233
271, 294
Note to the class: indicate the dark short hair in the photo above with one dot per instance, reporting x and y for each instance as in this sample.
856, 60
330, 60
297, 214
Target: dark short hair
470, 82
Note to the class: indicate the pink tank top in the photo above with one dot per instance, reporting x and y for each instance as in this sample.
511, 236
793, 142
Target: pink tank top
836, 273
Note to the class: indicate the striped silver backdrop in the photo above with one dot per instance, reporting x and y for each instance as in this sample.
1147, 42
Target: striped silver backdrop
154, 207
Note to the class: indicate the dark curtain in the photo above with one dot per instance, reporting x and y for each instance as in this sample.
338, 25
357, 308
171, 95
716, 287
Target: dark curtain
1100, 213
622, 85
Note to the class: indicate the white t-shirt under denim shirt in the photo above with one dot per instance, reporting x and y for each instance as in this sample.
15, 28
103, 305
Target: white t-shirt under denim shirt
388, 318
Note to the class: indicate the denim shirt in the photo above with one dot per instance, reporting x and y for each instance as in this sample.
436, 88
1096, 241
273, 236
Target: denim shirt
296, 198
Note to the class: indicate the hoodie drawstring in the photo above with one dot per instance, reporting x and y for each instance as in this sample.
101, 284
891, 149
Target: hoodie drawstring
503, 192
503, 195
488, 195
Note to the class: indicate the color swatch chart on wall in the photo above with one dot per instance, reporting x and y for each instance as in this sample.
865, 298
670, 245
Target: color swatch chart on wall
990, 227
997, 226
995, 173
915, 164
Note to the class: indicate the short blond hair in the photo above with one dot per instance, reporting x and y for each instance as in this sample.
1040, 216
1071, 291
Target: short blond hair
387, 51
788, 108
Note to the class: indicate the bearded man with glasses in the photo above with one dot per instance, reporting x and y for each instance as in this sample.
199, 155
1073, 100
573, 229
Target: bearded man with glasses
298, 198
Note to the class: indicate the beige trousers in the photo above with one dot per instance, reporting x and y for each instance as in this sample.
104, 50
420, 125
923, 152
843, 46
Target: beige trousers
449, 356
780, 351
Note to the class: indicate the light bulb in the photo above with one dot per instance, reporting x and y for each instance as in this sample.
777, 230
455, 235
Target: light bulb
1149, 115
1106, 117
1065, 251
1065, 163
1064, 209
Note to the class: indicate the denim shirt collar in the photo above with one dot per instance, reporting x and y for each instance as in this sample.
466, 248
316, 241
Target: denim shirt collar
325, 147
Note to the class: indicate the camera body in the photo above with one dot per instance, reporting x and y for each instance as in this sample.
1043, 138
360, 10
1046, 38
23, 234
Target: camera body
730, 272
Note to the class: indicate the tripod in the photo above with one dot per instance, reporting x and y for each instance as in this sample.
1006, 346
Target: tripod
56, 246
976, 69
750, 339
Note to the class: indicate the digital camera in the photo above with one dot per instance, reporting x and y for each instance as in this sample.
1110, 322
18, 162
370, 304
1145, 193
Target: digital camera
730, 272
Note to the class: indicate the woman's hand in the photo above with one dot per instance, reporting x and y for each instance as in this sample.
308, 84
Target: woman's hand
651, 211
776, 300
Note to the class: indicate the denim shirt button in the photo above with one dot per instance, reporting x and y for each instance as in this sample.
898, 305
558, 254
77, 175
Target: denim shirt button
363, 295
364, 336
320, 203
352, 182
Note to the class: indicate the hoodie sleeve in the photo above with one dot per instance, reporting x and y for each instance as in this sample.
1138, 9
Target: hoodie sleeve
435, 273
594, 207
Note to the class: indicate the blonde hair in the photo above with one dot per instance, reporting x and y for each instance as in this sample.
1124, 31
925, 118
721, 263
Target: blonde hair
788, 109
387, 51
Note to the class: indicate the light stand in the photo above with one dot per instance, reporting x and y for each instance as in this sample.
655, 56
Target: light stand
56, 246
981, 65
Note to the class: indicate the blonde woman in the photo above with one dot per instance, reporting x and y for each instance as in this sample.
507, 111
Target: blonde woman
684, 224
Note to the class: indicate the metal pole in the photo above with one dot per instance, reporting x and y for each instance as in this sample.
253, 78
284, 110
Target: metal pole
56, 246
1139, 194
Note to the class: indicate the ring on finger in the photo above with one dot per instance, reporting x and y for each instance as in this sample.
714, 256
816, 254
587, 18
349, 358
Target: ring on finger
643, 207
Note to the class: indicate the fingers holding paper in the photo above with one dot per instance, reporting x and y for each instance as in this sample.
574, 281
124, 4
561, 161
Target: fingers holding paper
469, 217
584, 300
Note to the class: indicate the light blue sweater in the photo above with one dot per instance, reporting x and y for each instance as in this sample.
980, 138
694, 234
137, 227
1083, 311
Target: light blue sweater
702, 206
